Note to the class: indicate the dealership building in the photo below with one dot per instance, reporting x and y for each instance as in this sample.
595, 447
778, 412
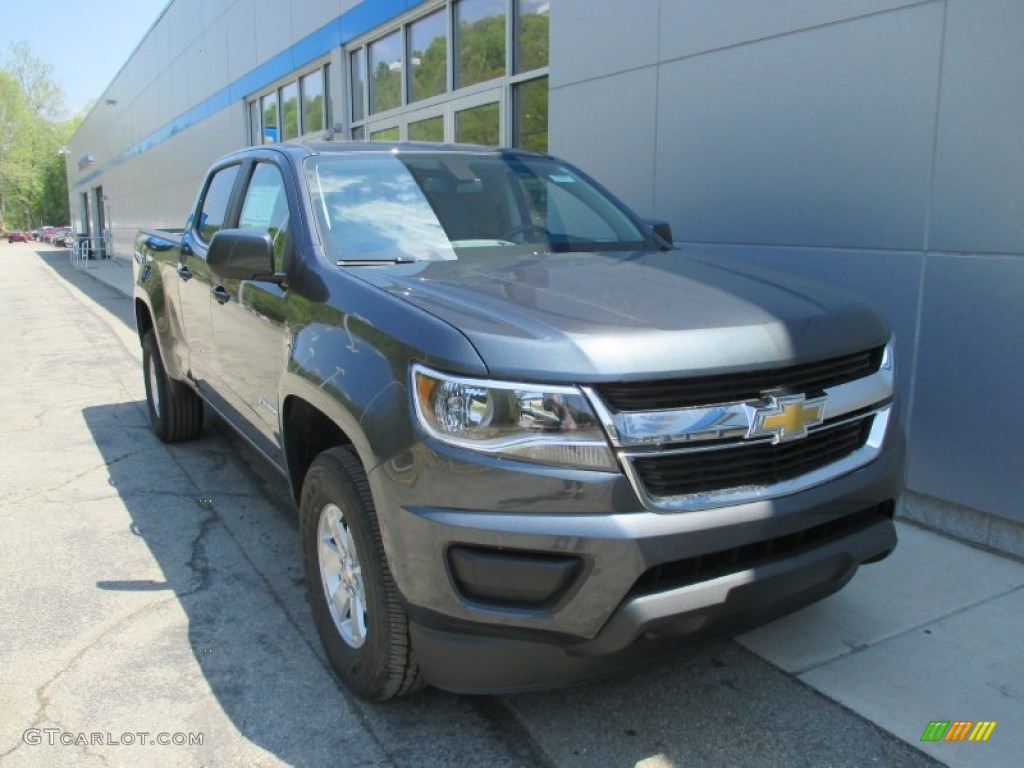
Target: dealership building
875, 144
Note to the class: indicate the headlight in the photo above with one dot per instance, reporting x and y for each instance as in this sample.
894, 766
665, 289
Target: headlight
539, 423
889, 356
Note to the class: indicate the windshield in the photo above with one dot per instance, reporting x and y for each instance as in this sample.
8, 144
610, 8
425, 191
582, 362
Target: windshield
429, 206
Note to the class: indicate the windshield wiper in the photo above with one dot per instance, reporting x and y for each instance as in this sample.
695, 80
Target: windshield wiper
374, 262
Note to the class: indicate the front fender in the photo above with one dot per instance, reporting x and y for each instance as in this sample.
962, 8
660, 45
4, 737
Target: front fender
360, 385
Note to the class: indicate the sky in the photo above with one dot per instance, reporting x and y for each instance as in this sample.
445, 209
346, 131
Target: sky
86, 43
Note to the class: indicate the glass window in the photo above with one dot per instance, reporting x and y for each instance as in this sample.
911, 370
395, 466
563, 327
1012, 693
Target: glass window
531, 115
428, 56
439, 205
255, 136
385, 134
266, 207
386, 72
290, 111
479, 41
357, 69
431, 129
359, 133
269, 103
371, 207
531, 34
213, 207
478, 125
313, 102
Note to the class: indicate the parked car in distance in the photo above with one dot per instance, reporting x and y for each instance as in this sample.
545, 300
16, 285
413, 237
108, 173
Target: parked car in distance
530, 441
17, 237
59, 236
44, 233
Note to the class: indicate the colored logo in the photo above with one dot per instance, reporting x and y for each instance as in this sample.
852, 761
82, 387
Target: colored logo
958, 730
787, 418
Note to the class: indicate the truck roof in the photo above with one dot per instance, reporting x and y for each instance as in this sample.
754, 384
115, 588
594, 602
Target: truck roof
347, 147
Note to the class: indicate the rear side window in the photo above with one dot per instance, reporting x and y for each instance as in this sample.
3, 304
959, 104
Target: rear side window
214, 205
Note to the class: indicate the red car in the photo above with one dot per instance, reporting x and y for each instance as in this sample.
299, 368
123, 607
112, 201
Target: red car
17, 237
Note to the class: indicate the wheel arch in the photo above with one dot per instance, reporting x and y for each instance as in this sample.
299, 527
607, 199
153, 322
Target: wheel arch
143, 318
306, 433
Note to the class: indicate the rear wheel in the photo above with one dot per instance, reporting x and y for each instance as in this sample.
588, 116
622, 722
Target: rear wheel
362, 625
175, 411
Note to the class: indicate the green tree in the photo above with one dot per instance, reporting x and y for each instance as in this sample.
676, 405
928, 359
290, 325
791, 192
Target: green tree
430, 74
33, 178
481, 50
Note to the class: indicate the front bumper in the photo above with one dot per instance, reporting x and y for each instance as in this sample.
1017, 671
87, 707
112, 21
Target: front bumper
628, 583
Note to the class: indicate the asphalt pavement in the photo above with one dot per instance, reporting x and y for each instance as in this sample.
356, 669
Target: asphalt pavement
154, 613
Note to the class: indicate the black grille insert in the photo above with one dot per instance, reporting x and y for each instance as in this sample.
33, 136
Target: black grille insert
736, 387
712, 565
745, 465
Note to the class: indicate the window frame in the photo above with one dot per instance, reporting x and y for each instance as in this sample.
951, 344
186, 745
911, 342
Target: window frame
323, 67
357, 50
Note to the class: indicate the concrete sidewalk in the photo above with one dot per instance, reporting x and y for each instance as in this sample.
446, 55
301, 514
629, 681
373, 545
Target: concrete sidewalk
931, 634
117, 273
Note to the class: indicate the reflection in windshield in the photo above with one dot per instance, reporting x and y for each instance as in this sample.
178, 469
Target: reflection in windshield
371, 208
427, 206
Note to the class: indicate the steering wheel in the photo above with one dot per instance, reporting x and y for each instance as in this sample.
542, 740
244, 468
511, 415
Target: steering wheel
527, 228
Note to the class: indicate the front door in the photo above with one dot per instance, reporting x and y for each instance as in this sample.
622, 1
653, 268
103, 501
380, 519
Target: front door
249, 317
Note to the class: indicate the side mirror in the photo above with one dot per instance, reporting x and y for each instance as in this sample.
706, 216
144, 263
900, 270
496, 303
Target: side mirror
662, 230
241, 254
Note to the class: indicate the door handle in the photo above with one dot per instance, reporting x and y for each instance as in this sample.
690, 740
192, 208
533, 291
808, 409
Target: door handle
184, 272
220, 294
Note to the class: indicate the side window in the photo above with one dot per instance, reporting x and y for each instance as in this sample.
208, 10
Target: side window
266, 207
214, 205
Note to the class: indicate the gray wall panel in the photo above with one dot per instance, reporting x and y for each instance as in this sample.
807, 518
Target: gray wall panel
810, 139
591, 38
587, 139
979, 195
887, 280
689, 27
241, 35
966, 426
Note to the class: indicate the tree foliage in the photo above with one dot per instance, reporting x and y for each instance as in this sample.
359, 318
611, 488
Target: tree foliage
33, 177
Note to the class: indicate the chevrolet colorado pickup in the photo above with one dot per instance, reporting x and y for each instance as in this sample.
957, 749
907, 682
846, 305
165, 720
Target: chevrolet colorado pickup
530, 441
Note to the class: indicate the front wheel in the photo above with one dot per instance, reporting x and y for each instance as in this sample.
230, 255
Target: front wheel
362, 624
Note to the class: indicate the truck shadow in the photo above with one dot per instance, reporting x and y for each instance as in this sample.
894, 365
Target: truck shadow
223, 531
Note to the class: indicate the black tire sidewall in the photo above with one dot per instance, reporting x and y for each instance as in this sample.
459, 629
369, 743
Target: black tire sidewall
151, 352
364, 670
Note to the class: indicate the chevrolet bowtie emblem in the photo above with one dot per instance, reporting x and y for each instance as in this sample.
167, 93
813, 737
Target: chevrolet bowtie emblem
787, 418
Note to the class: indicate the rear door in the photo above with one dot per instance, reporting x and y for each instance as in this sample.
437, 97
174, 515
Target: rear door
195, 280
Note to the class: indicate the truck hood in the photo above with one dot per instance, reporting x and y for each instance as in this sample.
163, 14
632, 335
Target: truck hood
586, 317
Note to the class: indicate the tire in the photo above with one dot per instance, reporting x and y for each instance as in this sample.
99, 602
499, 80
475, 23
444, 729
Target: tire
175, 411
364, 628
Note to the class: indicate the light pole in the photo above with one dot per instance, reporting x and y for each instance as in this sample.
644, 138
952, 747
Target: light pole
65, 153
3, 188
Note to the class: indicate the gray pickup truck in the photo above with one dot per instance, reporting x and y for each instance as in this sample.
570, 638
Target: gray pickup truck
530, 441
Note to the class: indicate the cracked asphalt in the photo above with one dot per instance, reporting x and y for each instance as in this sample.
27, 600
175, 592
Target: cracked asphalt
154, 592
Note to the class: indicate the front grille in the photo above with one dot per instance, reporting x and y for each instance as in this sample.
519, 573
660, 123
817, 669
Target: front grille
680, 474
736, 387
712, 565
